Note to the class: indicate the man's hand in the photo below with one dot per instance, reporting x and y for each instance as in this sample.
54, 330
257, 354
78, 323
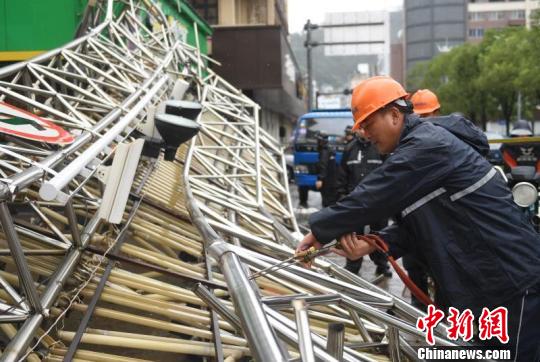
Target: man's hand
353, 248
318, 184
308, 241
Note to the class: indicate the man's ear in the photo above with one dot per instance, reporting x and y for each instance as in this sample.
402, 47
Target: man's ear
396, 115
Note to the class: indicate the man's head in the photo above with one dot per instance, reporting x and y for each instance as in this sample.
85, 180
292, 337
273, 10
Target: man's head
425, 103
379, 109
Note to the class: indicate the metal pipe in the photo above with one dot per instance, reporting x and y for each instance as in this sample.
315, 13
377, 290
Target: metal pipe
13, 294
392, 333
315, 281
291, 337
73, 224
50, 189
19, 259
258, 186
261, 336
30, 175
214, 303
22, 339
99, 289
349, 355
285, 301
302, 325
336, 340
360, 325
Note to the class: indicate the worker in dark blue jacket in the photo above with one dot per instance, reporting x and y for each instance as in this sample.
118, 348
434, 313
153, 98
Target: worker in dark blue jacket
359, 158
326, 171
451, 207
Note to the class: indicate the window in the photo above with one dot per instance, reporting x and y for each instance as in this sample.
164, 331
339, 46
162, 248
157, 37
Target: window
476, 32
517, 14
475, 16
491, 15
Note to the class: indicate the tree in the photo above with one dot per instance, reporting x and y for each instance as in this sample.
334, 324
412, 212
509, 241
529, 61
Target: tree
483, 80
499, 68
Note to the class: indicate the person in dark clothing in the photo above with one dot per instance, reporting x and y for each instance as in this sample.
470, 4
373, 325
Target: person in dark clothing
303, 193
326, 171
425, 104
523, 153
359, 158
451, 207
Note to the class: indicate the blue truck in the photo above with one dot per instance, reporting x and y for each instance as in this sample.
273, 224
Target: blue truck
333, 122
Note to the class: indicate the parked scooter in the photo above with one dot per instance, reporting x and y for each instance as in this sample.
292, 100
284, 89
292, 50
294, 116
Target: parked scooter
524, 182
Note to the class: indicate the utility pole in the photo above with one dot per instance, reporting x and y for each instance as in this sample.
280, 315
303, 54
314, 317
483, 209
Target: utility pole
309, 44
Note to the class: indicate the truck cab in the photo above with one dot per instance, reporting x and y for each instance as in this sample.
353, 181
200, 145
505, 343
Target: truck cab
333, 122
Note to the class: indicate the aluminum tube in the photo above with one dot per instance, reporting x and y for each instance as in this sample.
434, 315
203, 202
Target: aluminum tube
10, 318
31, 174
319, 282
304, 334
258, 186
24, 336
360, 325
394, 344
73, 224
336, 340
291, 337
349, 355
6, 308
347, 276
390, 320
213, 302
42, 238
14, 294
50, 189
408, 350
284, 302
26, 280
288, 193
260, 335
280, 229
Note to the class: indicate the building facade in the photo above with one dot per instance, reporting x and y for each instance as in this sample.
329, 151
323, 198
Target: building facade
488, 14
397, 49
250, 40
433, 27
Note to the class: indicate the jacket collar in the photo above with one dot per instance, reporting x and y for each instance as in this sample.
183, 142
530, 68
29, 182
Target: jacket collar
410, 122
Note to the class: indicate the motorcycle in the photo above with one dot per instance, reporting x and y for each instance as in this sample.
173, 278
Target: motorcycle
524, 182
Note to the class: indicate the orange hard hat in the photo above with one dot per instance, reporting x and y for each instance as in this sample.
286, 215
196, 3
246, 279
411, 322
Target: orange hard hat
373, 94
425, 101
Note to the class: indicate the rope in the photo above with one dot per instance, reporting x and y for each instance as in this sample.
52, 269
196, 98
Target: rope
381, 246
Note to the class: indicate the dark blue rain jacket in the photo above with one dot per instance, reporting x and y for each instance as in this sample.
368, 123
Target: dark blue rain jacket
450, 207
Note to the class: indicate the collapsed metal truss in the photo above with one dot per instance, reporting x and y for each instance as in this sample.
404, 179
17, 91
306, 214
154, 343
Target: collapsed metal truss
151, 287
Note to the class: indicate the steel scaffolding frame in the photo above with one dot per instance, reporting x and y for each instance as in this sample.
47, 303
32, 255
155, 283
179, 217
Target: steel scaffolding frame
233, 184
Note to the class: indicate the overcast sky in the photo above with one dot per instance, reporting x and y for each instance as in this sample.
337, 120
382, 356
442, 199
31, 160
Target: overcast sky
302, 10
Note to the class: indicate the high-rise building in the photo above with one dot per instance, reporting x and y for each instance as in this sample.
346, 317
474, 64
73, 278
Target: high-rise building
250, 40
433, 27
374, 33
488, 14
397, 49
